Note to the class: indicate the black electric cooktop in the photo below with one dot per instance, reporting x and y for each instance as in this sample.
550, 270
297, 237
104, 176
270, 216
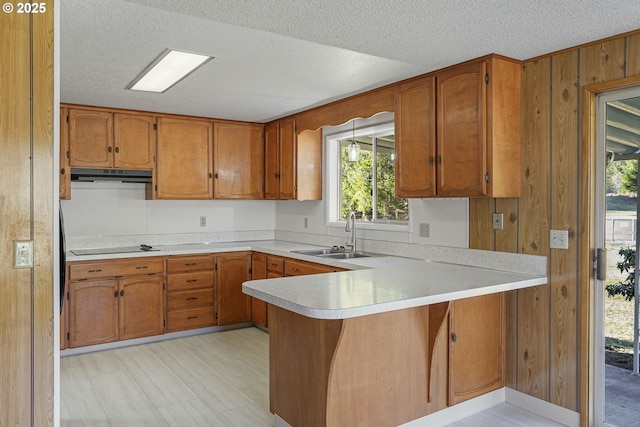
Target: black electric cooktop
120, 250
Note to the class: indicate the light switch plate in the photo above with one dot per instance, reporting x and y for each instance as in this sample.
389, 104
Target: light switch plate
559, 239
425, 230
23, 254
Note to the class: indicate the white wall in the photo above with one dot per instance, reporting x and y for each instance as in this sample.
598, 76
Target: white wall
119, 209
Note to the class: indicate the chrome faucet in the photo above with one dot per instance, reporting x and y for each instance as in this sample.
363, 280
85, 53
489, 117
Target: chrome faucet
351, 228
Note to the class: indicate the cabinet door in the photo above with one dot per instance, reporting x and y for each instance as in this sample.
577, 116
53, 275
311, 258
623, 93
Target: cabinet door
134, 141
65, 172
308, 179
233, 305
461, 129
90, 138
93, 312
184, 159
271, 160
287, 138
141, 307
238, 161
258, 271
415, 128
476, 357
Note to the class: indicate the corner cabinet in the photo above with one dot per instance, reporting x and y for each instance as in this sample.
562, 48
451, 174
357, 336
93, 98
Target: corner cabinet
461, 127
184, 160
293, 162
238, 160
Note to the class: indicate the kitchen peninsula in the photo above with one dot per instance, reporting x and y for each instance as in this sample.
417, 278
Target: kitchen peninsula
385, 345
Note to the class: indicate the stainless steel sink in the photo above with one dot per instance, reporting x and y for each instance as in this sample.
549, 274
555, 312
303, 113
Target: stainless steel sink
320, 252
336, 253
347, 255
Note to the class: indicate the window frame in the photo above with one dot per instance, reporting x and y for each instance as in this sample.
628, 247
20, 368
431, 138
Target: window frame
334, 178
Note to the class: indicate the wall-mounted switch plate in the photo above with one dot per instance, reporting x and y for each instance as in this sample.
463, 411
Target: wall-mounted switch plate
425, 230
23, 254
203, 221
498, 221
559, 239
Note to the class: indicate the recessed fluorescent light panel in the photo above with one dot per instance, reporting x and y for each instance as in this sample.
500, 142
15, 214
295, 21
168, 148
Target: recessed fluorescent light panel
167, 70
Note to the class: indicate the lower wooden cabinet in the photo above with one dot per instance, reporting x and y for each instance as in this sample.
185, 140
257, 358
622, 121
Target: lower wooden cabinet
102, 311
233, 269
258, 271
190, 292
477, 344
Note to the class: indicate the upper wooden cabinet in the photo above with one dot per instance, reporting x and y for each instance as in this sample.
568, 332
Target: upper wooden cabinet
134, 139
102, 139
280, 159
415, 127
293, 162
184, 159
238, 160
476, 130
65, 171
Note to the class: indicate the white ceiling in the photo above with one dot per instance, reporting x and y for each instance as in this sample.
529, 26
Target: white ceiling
277, 57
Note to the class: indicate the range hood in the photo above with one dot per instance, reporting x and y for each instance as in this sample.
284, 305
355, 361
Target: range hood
119, 175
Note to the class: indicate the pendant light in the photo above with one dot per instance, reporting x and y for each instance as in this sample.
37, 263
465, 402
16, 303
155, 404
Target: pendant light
353, 149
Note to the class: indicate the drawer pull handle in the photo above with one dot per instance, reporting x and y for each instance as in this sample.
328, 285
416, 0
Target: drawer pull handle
190, 264
192, 298
141, 267
273, 264
95, 271
192, 280
192, 317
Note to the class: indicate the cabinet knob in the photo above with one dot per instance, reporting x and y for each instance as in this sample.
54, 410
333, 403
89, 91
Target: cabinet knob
116, 294
430, 160
210, 175
117, 149
439, 159
122, 293
294, 269
216, 175
62, 171
110, 149
454, 337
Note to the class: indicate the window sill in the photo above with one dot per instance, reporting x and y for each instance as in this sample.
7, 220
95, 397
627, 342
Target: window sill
398, 228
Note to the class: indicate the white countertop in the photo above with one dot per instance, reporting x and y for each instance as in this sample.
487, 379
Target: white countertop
390, 284
373, 284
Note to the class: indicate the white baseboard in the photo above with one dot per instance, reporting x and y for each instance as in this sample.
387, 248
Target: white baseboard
486, 401
460, 411
538, 406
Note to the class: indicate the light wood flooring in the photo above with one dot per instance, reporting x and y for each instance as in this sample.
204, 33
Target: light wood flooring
218, 379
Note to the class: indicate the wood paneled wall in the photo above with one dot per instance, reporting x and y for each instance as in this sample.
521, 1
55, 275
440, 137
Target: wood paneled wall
26, 212
543, 358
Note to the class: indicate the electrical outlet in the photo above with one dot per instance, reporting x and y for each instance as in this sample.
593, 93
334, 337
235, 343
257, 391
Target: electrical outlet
203, 221
498, 221
559, 239
425, 230
306, 222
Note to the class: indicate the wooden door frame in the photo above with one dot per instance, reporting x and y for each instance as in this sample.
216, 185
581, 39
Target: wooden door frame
587, 242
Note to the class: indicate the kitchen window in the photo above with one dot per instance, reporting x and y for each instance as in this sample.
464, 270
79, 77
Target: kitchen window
366, 185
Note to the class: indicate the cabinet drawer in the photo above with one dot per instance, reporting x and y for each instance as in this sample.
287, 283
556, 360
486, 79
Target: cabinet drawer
190, 318
115, 268
275, 264
301, 268
192, 263
186, 299
197, 279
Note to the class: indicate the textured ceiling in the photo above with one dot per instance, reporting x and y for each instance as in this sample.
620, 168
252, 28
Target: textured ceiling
276, 57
